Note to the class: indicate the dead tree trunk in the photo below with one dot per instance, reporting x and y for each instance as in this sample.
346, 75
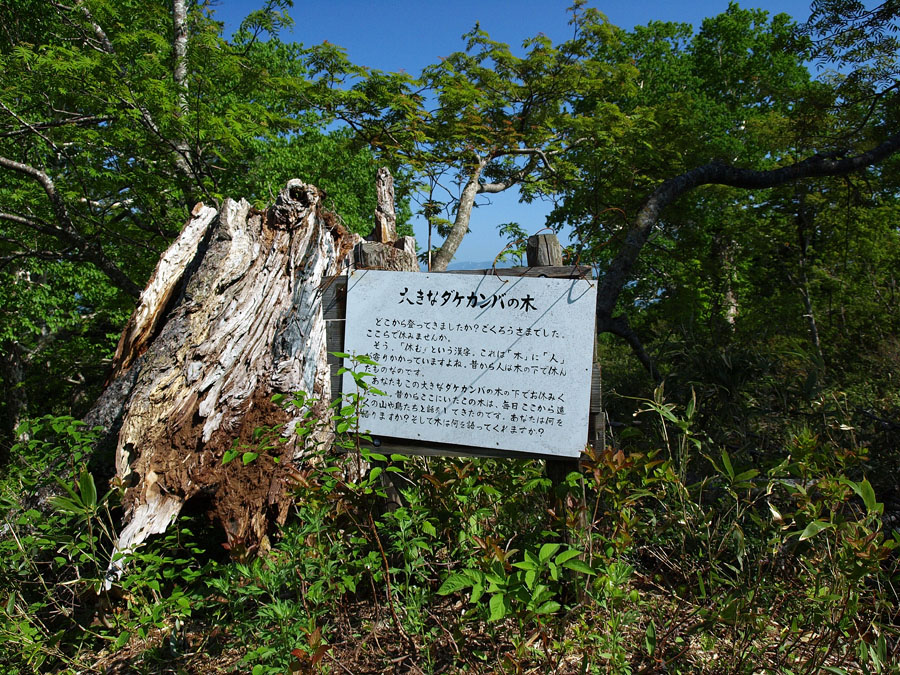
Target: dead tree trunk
231, 316
383, 250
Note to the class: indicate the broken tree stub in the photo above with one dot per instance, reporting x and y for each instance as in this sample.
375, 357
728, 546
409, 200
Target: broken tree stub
231, 316
383, 250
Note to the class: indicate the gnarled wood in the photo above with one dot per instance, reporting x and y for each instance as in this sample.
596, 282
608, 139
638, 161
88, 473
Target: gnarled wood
232, 316
377, 256
385, 219
162, 285
382, 250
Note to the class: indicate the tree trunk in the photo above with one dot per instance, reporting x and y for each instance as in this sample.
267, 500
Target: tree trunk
618, 273
231, 316
804, 226
723, 252
445, 254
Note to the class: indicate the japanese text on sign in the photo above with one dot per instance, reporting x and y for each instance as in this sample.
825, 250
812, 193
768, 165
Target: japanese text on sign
486, 361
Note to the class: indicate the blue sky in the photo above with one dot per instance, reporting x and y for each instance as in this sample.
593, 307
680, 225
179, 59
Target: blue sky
408, 35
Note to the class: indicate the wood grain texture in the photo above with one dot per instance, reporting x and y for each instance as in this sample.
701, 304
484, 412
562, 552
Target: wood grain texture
218, 332
544, 250
385, 230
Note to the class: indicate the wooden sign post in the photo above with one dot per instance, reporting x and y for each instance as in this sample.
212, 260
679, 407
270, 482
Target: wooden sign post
400, 319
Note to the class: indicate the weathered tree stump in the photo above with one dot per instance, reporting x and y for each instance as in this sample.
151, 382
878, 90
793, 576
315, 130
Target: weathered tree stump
385, 230
231, 316
382, 250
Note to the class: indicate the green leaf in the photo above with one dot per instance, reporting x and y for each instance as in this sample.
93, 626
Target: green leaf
122, 640
650, 638
749, 474
726, 462
68, 488
497, 607
87, 489
250, 457
454, 583
579, 566
66, 505
813, 529
548, 607
868, 496
567, 555
547, 551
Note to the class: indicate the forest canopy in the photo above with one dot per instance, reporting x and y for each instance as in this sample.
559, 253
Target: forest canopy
112, 130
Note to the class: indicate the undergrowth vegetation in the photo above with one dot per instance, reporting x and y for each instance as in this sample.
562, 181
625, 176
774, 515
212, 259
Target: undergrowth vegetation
664, 553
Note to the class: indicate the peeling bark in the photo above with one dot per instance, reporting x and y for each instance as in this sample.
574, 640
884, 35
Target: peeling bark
231, 316
385, 230
179, 76
382, 250
161, 287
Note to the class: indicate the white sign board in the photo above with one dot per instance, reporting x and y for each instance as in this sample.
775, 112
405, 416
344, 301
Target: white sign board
485, 361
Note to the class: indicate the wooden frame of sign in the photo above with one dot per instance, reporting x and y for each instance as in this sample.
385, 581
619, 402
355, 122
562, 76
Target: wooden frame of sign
335, 312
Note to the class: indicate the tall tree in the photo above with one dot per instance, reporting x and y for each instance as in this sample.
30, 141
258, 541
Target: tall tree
732, 106
483, 120
115, 118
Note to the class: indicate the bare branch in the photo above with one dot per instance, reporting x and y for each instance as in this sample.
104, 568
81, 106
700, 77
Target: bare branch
28, 126
716, 173
27, 222
543, 155
516, 178
619, 271
619, 326
59, 207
